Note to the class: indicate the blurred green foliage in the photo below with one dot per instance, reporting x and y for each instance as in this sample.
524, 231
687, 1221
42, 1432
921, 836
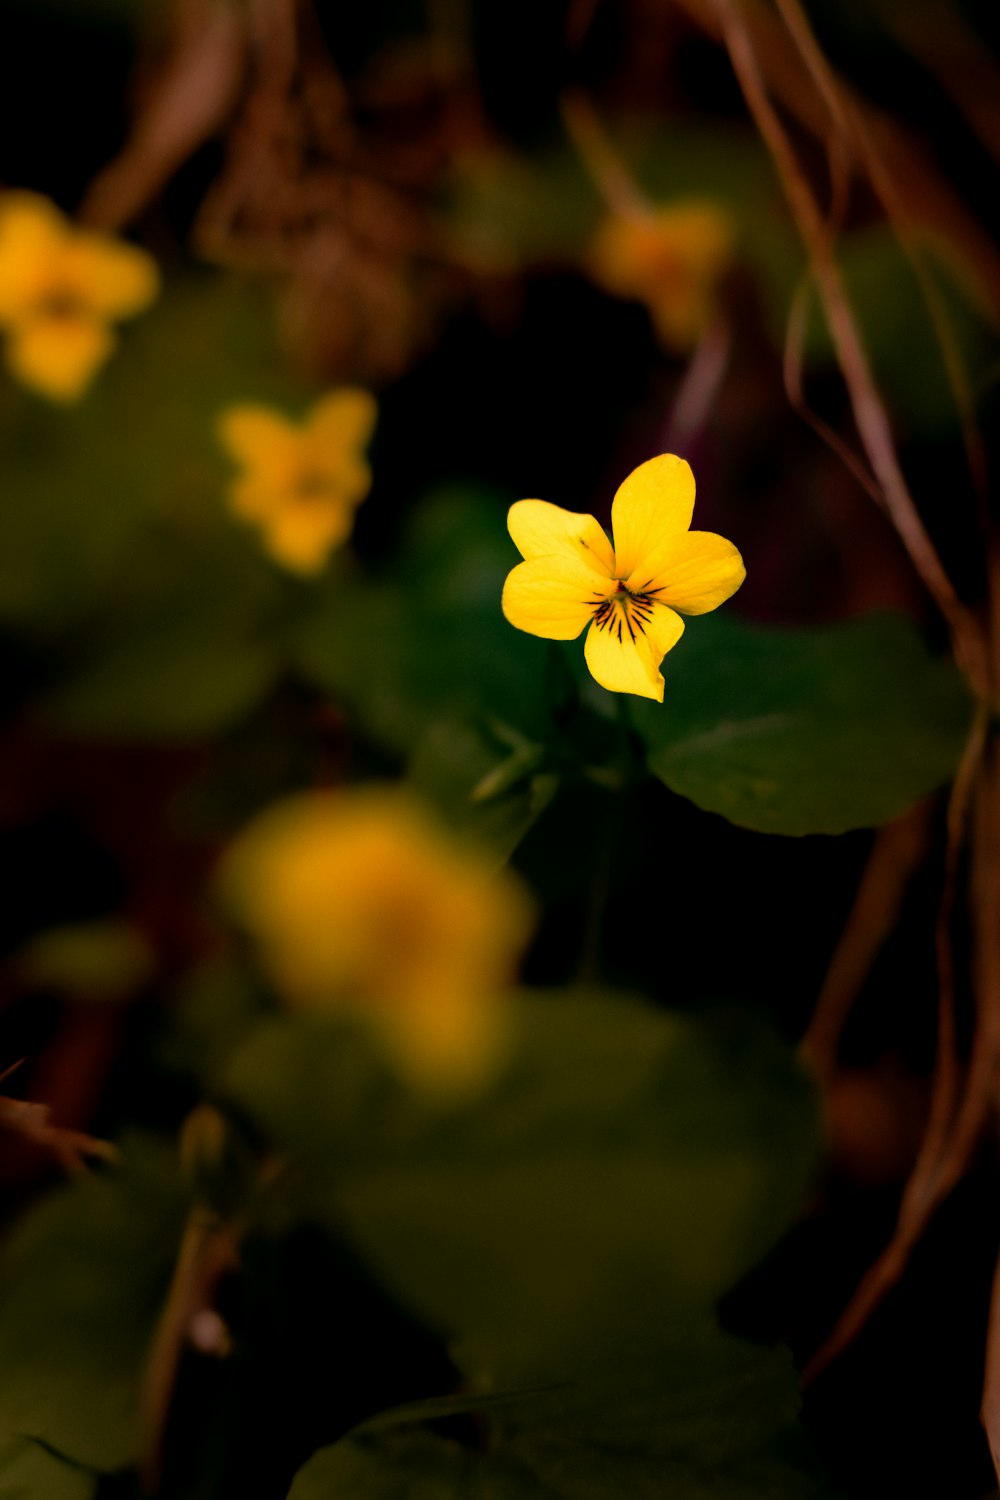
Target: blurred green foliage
563, 1241
82, 1281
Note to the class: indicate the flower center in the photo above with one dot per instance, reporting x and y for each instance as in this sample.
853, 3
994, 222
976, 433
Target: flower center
311, 485
625, 611
61, 305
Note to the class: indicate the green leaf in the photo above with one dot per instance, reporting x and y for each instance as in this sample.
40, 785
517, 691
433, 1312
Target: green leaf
181, 662
29, 1472
488, 789
801, 732
82, 1279
716, 1422
153, 610
413, 1466
625, 1172
429, 640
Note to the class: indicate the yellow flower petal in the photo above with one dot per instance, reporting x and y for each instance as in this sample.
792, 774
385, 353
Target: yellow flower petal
651, 509
264, 442
360, 904
342, 422
301, 537
444, 1043
112, 279
58, 356
553, 596
30, 218
625, 662
539, 529
33, 235
670, 260
703, 571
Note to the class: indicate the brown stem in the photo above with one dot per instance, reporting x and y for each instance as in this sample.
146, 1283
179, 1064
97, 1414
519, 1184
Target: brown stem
699, 387
869, 411
209, 1248
612, 178
949, 1139
792, 373
899, 848
986, 898
851, 131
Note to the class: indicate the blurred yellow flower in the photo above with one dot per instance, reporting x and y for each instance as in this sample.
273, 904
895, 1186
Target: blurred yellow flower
671, 261
301, 482
60, 290
360, 903
628, 592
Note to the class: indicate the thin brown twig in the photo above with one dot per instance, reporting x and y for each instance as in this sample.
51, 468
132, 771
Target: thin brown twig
209, 1249
851, 131
792, 365
933, 202
869, 411
986, 896
948, 1140
190, 102
699, 386
603, 161
898, 850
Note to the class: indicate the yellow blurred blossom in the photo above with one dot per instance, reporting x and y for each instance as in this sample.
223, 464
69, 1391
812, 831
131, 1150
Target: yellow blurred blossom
671, 260
300, 483
359, 903
61, 289
629, 592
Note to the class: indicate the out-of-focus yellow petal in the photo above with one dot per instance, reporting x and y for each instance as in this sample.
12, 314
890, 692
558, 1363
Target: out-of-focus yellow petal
444, 1044
539, 529
651, 509
33, 236
628, 660
301, 537
263, 441
58, 356
703, 571
671, 260
553, 596
342, 422
360, 904
112, 279
29, 219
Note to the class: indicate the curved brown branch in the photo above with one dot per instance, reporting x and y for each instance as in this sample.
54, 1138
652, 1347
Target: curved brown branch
898, 850
955, 1125
856, 138
869, 411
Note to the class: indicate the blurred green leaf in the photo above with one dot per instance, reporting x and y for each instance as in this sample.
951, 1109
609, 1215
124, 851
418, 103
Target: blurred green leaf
801, 732
626, 1171
487, 789
103, 960
429, 640
184, 653
118, 558
29, 1472
82, 1279
717, 1422
428, 666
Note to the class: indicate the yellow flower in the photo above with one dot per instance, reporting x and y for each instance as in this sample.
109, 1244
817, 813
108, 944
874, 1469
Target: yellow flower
60, 290
360, 903
671, 260
301, 482
628, 592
